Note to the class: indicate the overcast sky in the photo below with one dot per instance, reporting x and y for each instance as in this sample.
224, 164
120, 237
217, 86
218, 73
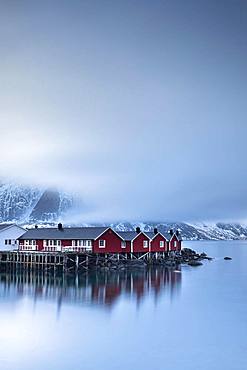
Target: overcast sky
140, 106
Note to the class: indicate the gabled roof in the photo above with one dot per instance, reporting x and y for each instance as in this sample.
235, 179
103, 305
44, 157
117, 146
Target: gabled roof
69, 233
179, 237
152, 235
130, 235
127, 235
6, 226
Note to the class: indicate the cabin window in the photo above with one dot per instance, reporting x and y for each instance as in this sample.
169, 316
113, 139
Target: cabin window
123, 244
101, 243
55, 243
162, 244
30, 242
145, 243
8, 242
81, 243
175, 244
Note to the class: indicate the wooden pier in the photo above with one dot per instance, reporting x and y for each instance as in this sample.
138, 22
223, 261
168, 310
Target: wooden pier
73, 262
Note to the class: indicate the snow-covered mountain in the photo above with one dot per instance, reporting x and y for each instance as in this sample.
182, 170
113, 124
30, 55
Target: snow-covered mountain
27, 204
32, 205
218, 231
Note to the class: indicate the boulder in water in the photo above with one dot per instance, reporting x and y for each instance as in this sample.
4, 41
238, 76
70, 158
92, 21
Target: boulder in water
195, 263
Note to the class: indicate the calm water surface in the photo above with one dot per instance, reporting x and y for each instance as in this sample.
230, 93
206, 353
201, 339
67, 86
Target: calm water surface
195, 318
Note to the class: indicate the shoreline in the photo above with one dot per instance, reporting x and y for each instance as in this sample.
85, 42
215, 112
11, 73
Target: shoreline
75, 263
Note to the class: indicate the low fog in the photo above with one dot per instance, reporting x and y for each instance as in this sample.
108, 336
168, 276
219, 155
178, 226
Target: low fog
139, 107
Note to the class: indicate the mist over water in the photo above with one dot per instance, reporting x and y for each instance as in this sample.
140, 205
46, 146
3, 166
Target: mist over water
139, 319
140, 107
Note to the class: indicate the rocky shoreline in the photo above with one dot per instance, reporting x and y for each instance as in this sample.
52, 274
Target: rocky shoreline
186, 257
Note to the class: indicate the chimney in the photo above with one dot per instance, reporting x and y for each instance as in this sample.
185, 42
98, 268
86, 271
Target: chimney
155, 230
36, 226
138, 230
171, 232
60, 226
177, 232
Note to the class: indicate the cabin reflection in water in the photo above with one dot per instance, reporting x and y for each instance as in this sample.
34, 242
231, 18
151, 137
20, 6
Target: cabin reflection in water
96, 288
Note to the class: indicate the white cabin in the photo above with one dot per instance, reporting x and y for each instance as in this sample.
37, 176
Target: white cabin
9, 233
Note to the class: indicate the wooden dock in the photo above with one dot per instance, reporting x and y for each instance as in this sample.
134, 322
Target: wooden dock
71, 262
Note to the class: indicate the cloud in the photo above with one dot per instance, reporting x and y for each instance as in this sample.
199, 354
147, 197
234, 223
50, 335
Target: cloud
140, 108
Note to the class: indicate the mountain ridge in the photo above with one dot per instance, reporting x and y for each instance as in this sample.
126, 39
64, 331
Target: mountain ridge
29, 205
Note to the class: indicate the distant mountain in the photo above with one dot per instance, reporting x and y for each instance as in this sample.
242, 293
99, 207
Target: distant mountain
218, 231
27, 204
33, 205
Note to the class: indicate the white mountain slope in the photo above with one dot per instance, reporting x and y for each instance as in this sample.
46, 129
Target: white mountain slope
24, 204
31, 205
219, 231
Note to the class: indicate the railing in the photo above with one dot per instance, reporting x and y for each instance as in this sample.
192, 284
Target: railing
26, 248
71, 248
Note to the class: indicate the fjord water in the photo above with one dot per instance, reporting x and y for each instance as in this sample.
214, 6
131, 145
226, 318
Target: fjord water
157, 319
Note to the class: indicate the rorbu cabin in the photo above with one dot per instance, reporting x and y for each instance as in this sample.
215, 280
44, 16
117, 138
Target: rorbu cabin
159, 241
72, 239
175, 241
9, 233
110, 241
155, 241
138, 241
100, 240
60, 239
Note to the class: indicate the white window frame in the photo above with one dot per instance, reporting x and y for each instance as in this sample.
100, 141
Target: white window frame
145, 243
162, 244
104, 243
29, 242
54, 243
175, 244
123, 244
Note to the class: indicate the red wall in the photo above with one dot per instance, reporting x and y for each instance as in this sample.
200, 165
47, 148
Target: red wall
39, 244
172, 247
66, 243
128, 246
155, 244
112, 245
138, 244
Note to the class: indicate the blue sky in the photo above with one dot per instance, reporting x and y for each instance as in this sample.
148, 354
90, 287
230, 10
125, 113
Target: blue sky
139, 106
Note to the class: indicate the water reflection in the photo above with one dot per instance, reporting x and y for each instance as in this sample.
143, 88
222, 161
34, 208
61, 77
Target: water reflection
95, 288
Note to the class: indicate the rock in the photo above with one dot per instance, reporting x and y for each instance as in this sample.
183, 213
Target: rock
227, 258
136, 264
195, 263
188, 251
